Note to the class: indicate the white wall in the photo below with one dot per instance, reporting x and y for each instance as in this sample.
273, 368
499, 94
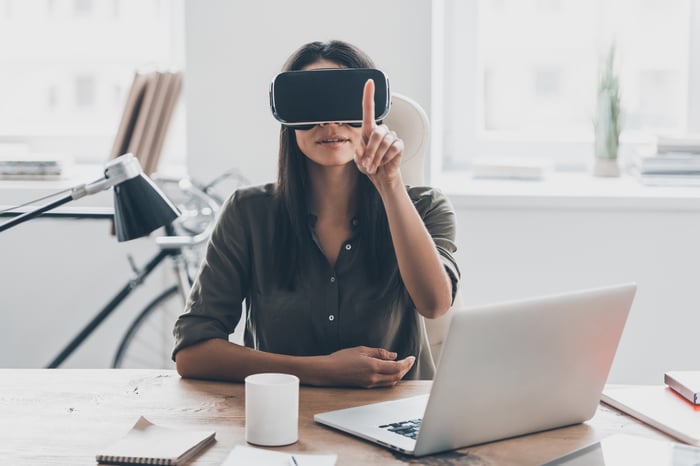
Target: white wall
234, 49
515, 252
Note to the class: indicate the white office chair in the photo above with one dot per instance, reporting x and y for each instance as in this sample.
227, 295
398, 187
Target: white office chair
411, 123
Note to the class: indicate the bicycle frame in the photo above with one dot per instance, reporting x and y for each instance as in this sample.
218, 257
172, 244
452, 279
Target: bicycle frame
116, 301
171, 245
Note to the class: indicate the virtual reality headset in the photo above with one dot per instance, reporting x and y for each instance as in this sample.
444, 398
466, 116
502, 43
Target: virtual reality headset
302, 99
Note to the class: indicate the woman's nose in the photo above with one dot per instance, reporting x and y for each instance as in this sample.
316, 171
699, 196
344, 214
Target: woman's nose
331, 123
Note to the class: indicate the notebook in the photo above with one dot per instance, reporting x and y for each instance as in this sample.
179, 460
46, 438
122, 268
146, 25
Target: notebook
658, 406
147, 443
626, 450
506, 370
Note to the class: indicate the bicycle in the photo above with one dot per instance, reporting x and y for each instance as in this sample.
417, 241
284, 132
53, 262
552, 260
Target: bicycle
147, 341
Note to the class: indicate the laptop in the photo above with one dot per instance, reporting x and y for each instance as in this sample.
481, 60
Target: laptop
506, 370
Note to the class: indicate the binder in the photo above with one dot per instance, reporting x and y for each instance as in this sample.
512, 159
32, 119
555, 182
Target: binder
132, 107
146, 117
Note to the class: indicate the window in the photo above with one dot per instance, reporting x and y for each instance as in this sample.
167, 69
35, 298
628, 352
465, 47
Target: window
518, 77
67, 65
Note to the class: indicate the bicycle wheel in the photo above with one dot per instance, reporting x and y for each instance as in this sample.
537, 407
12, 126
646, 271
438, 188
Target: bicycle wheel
148, 342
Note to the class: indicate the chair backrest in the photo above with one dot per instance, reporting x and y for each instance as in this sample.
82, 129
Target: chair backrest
411, 123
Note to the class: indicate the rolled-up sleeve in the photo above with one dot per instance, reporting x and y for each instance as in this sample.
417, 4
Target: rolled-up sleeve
214, 305
440, 220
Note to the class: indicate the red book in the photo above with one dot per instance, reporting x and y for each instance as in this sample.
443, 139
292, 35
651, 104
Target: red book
686, 383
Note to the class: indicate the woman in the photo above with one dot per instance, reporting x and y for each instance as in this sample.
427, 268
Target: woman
335, 261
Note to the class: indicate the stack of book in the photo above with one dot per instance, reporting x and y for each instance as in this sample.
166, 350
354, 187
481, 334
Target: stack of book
148, 110
685, 383
147, 113
675, 162
18, 162
30, 169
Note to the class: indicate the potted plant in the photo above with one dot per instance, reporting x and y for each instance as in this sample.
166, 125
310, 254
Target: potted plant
607, 120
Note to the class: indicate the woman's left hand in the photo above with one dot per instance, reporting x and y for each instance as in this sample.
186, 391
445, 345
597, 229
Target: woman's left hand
380, 155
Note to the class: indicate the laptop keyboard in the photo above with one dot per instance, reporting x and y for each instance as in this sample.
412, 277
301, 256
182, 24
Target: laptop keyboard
406, 428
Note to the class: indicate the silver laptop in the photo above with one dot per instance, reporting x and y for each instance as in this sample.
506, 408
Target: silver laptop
506, 369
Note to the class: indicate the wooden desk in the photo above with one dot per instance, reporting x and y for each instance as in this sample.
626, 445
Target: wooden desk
63, 416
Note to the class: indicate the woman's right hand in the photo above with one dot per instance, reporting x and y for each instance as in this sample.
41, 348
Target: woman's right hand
366, 367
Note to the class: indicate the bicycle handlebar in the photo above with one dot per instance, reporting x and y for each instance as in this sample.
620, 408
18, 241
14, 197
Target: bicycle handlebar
186, 241
180, 241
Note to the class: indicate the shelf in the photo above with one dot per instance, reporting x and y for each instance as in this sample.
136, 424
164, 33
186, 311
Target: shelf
566, 191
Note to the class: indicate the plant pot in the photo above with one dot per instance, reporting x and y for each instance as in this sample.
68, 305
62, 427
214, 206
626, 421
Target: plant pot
606, 167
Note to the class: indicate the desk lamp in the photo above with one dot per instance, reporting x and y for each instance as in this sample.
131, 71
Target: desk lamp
139, 206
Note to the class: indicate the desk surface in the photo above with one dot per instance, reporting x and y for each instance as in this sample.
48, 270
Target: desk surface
63, 416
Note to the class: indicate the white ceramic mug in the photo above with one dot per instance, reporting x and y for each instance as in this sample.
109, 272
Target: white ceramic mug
271, 409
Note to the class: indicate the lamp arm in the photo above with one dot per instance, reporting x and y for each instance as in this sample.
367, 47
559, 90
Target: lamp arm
35, 213
117, 171
76, 192
91, 188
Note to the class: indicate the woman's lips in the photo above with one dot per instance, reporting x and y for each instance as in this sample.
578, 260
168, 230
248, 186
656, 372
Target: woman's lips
334, 140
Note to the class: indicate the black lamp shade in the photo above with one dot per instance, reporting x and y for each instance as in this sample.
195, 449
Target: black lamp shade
140, 207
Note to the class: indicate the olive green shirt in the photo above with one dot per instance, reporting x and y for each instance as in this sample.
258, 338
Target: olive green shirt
331, 307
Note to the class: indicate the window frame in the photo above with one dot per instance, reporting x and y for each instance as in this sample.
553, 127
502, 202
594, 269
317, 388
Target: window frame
564, 153
94, 146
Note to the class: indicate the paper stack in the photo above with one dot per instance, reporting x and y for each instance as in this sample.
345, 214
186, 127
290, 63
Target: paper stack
244, 455
675, 162
18, 162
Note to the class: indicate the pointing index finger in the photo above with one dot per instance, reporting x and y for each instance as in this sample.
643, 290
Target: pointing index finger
368, 122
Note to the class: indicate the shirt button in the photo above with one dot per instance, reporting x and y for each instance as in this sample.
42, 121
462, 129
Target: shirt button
332, 279
331, 317
348, 247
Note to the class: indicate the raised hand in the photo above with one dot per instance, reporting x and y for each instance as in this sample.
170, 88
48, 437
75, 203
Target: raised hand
380, 155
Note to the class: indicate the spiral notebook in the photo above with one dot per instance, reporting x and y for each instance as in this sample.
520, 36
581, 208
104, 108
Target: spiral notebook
148, 443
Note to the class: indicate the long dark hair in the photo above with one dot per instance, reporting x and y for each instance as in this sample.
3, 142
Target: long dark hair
292, 231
